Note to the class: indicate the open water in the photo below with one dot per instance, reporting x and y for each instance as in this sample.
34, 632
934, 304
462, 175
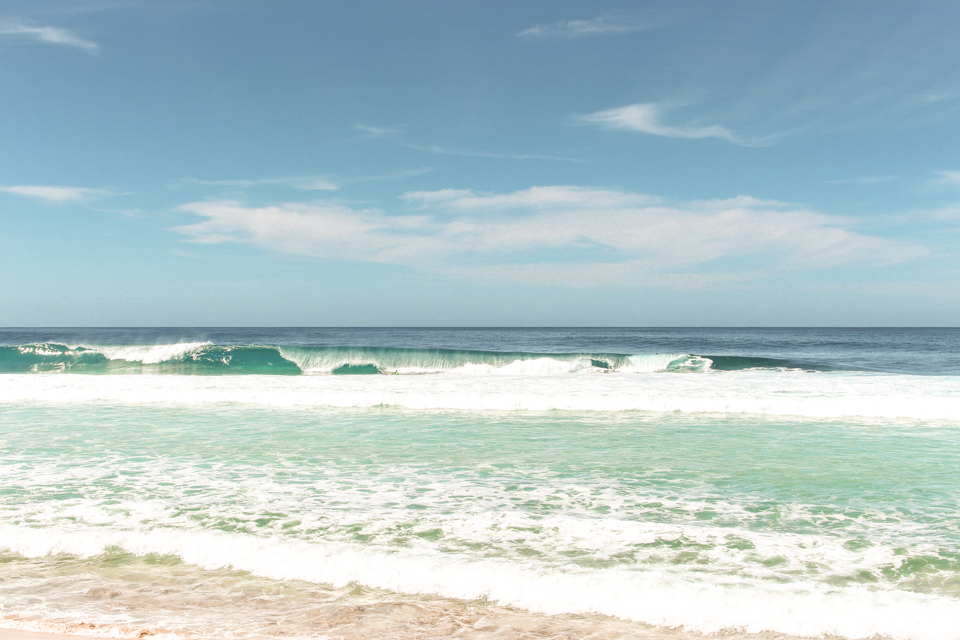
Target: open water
481, 483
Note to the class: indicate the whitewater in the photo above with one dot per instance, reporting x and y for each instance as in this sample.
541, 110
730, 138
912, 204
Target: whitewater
244, 483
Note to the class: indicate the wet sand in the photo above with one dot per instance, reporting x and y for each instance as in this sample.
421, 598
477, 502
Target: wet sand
16, 634
404, 621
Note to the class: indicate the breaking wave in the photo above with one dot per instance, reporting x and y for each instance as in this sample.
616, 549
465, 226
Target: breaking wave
205, 358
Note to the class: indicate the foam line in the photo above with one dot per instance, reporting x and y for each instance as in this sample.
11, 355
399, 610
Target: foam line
820, 395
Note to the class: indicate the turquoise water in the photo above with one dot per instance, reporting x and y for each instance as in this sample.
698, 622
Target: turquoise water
794, 490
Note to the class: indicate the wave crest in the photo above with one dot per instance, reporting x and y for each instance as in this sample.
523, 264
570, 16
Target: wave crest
206, 358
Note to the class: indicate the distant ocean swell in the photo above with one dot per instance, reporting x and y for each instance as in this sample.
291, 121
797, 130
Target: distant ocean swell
203, 358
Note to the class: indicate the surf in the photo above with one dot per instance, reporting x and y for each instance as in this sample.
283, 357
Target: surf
755, 392
203, 358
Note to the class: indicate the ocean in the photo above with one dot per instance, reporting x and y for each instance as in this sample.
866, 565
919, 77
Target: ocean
481, 483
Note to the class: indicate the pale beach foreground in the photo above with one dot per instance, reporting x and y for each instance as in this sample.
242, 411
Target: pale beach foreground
398, 620
16, 634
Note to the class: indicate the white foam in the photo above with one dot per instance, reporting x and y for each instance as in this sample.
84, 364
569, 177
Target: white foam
43, 350
147, 354
533, 366
415, 362
706, 604
818, 395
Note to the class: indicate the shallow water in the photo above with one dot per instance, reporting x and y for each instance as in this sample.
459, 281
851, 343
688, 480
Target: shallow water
536, 502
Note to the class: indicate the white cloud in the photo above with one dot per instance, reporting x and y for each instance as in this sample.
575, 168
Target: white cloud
647, 118
602, 25
563, 197
435, 196
635, 226
740, 201
323, 230
376, 132
567, 235
863, 180
599, 273
313, 184
51, 35
308, 183
54, 194
947, 177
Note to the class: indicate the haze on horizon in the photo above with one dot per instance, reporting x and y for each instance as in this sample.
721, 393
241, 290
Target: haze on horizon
372, 163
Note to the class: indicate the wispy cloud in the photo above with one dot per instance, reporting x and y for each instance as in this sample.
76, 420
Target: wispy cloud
308, 183
647, 118
602, 25
318, 229
863, 180
949, 212
947, 177
55, 194
603, 236
489, 154
428, 197
377, 132
394, 175
51, 35
534, 198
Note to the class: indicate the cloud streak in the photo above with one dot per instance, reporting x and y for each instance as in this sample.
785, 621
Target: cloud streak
568, 235
54, 194
648, 118
602, 25
50, 35
376, 132
489, 154
947, 177
306, 183
863, 180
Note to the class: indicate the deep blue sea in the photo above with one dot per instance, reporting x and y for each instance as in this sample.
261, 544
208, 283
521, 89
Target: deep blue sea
481, 483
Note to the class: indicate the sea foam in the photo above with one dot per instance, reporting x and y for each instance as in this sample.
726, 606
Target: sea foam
147, 354
781, 393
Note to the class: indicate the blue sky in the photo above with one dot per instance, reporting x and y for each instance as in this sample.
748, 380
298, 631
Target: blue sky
479, 163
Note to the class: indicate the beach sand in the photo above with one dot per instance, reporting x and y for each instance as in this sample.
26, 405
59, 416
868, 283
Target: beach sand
405, 621
16, 634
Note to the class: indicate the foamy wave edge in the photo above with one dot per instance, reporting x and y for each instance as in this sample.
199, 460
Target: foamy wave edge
651, 597
146, 354
880, 396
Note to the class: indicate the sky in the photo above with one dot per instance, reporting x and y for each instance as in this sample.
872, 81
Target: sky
520, 163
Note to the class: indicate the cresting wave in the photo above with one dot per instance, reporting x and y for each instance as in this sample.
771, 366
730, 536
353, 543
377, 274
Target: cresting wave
201, 358
205, 358
657, 597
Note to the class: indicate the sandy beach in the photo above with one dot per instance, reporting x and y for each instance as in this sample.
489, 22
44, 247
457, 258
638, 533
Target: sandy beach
16, 634
348, 626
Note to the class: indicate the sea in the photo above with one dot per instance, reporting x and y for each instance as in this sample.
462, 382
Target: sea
481, 483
